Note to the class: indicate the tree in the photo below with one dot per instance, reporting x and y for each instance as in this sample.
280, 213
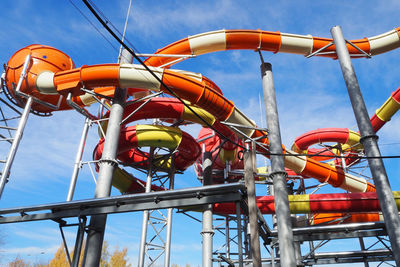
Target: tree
60, 258
105, 255
18, 262
118, 258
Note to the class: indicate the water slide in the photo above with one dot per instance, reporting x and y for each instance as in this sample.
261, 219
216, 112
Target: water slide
271, 41
317, 203
51, 73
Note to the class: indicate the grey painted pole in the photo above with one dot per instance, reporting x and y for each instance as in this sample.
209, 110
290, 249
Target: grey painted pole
146, 213
239, 233
251, 201
207, 231
78, 159
227, 238
97, 224
278, 174
169, 215
14, 146
369, 141
79, 242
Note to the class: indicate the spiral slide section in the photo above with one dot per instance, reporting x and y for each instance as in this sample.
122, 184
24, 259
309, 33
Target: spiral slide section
344, 136
52, 60
162, 108
222, 152
133, 137
188, 150
349, 140
270, 41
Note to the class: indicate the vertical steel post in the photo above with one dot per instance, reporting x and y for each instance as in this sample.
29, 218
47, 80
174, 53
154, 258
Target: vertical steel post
20, 129
246, 230
97, 223
78, 242
169, 215
227, 238
278, 174
107, 164
14, 146
207, 231
78, 158
239, 233
146, 213
251, 201
369, 141
362, 246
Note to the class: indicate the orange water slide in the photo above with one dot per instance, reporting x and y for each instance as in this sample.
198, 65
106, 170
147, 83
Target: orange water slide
51, 60
197, 92
270, 41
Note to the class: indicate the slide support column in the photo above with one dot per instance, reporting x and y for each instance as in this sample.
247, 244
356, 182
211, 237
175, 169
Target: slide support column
278, 174
370, 142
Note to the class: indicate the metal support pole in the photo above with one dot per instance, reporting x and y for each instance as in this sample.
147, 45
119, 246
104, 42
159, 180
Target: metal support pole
369, 141
297, 244
239, 233
251, 201
78, 242
227, 238
14, 146
97, 223
362, 246
207, 231
146, 213
78, 158
169, 215
246, 236
278, 174
103, 189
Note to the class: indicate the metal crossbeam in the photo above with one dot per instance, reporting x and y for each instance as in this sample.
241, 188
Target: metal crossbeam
145, 201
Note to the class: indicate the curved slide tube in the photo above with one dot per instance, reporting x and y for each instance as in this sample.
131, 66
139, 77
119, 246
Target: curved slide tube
52, 60
198, 93
349, 140
159, 107
270, 41
133, 137
127, 183
222, 153
336, 218
386, 111
344, 136
317, 203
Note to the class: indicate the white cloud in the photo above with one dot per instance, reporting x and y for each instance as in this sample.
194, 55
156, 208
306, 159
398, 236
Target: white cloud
31, 250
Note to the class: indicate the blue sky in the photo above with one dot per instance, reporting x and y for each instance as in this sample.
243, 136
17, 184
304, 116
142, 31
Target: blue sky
310, 92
